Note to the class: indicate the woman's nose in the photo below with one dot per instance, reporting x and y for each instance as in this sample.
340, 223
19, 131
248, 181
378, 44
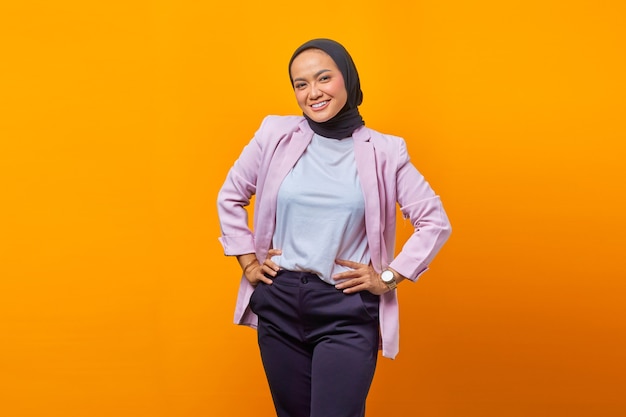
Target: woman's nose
314, 92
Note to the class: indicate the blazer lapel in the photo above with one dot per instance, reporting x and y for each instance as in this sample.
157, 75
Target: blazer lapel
289, 152
366, 166
286, 155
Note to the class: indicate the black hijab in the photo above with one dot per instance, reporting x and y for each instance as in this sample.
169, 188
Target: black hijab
348, 119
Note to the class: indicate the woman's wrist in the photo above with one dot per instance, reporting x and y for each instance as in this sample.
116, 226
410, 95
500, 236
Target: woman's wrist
249, 264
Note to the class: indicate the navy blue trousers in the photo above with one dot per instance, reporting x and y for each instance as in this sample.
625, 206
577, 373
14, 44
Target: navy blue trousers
318, 345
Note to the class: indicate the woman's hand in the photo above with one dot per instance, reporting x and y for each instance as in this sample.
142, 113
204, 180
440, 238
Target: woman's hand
361, 277
256, 273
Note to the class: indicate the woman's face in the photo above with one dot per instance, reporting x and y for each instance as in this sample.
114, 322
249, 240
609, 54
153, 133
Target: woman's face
318, 84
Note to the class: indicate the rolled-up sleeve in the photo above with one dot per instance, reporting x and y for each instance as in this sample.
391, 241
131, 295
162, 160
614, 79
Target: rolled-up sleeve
423, 208
234, 197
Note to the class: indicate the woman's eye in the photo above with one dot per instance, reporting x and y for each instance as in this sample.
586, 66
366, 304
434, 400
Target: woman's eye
300, 85
325, 78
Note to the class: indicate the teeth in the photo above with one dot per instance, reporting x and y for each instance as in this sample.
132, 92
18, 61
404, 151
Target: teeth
316, 105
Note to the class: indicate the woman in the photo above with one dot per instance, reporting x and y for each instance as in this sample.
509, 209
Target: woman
319, 272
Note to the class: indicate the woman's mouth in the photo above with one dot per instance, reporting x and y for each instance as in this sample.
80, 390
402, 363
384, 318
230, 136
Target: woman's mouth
320, 105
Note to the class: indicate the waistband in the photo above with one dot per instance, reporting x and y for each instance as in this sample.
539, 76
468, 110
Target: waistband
297, 278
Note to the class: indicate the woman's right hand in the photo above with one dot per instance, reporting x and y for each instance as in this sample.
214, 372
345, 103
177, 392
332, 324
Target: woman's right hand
257, 273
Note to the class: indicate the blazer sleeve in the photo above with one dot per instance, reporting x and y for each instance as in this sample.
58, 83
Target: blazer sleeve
422, 207
234, 196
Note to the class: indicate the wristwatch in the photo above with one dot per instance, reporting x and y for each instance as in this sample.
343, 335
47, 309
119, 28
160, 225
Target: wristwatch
389, 278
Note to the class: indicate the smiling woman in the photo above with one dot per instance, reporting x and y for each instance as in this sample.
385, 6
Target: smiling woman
319, 271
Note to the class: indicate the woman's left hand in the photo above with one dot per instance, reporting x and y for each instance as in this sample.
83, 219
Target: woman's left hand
361, 277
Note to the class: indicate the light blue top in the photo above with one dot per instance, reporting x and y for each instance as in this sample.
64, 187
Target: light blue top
320, 213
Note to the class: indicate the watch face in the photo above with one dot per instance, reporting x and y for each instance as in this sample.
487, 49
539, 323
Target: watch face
387, 276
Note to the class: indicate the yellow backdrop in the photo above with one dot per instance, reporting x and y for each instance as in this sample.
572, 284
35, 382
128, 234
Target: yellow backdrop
120, 119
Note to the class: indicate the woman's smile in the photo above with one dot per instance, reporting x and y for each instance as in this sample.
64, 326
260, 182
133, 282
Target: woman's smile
319, 106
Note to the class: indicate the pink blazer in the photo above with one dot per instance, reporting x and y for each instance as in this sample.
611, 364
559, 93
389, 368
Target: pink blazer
387, 177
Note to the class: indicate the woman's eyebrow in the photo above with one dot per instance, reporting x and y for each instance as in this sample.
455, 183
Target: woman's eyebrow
317, 74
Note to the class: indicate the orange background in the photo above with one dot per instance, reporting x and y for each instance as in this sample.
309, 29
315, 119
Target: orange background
119, 120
